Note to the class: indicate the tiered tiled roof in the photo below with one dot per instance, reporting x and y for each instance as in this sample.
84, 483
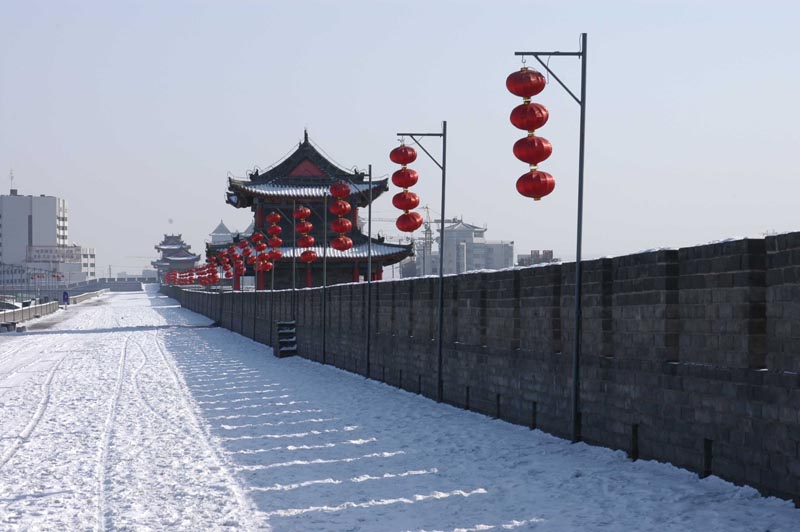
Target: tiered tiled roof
303, 175
174, 252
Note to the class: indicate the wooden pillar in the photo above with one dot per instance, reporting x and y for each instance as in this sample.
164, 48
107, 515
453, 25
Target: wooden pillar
261, 280
237, 281
356, 274
308, 275
260, 215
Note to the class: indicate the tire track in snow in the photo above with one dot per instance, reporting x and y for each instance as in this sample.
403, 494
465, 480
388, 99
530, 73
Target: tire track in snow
106, 438
37, 416
247, 509
142, 397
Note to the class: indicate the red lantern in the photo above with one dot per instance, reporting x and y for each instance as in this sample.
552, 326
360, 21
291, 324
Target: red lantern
247, 252
275, 242
257, 237
308, 256
529, 116
340, 190
273, 217
405, 201
525, 82
231, 250
342, 225
403, 155
274, 230
251, 260
535, 184
274, 254
405, 177
340, 208
409, 221
306, 241
262, 257
261, 247
532, 150
303, 227
228, 275
341, 243
242, 244
301, 213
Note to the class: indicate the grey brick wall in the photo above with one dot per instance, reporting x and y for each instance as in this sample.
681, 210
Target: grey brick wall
689, 356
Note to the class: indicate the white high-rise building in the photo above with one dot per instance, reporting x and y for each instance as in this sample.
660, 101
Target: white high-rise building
34, 232
29, 225
466, 249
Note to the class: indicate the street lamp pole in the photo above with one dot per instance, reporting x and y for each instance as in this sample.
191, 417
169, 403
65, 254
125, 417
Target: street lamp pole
576, 353
443, 167
369, 272
325, 277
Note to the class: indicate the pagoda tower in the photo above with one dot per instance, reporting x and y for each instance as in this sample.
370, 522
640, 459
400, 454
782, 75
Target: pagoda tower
304, 179
175, 255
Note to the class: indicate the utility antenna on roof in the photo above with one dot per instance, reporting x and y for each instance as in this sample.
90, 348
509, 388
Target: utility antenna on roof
11, 177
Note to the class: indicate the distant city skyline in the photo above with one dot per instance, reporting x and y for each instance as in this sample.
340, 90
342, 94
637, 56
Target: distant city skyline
135, 113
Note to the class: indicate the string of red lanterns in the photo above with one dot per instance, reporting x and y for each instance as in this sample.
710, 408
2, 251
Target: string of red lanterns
404, 178
304, 227
340, 208
529, 117
208, 274
261, 258
265, 260
236, 259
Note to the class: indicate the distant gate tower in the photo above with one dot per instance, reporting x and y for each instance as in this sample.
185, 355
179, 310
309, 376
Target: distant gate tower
304, 179
175, 255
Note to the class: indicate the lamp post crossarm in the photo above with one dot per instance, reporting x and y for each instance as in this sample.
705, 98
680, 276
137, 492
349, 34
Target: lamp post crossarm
414, 138
555, 76
573, 54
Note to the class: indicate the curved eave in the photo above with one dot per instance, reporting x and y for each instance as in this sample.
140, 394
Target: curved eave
384, 253
244, 192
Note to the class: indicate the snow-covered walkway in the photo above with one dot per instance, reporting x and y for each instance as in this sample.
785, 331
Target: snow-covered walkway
130, 413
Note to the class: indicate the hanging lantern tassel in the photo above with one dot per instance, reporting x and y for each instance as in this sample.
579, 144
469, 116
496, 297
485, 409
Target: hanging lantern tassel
530, 116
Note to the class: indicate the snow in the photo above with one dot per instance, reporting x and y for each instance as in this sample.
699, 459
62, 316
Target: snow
130, 412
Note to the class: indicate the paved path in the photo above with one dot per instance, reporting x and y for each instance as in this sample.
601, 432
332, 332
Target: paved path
130, 413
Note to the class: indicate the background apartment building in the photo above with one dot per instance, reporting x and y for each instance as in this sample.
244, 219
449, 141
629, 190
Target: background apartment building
466, 249
34, 233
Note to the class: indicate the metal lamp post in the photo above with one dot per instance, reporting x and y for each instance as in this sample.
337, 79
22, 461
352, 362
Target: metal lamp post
443, 167
576, 354
369, 267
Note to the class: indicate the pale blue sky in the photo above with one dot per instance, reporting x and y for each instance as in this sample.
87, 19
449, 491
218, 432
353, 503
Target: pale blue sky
135, 112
